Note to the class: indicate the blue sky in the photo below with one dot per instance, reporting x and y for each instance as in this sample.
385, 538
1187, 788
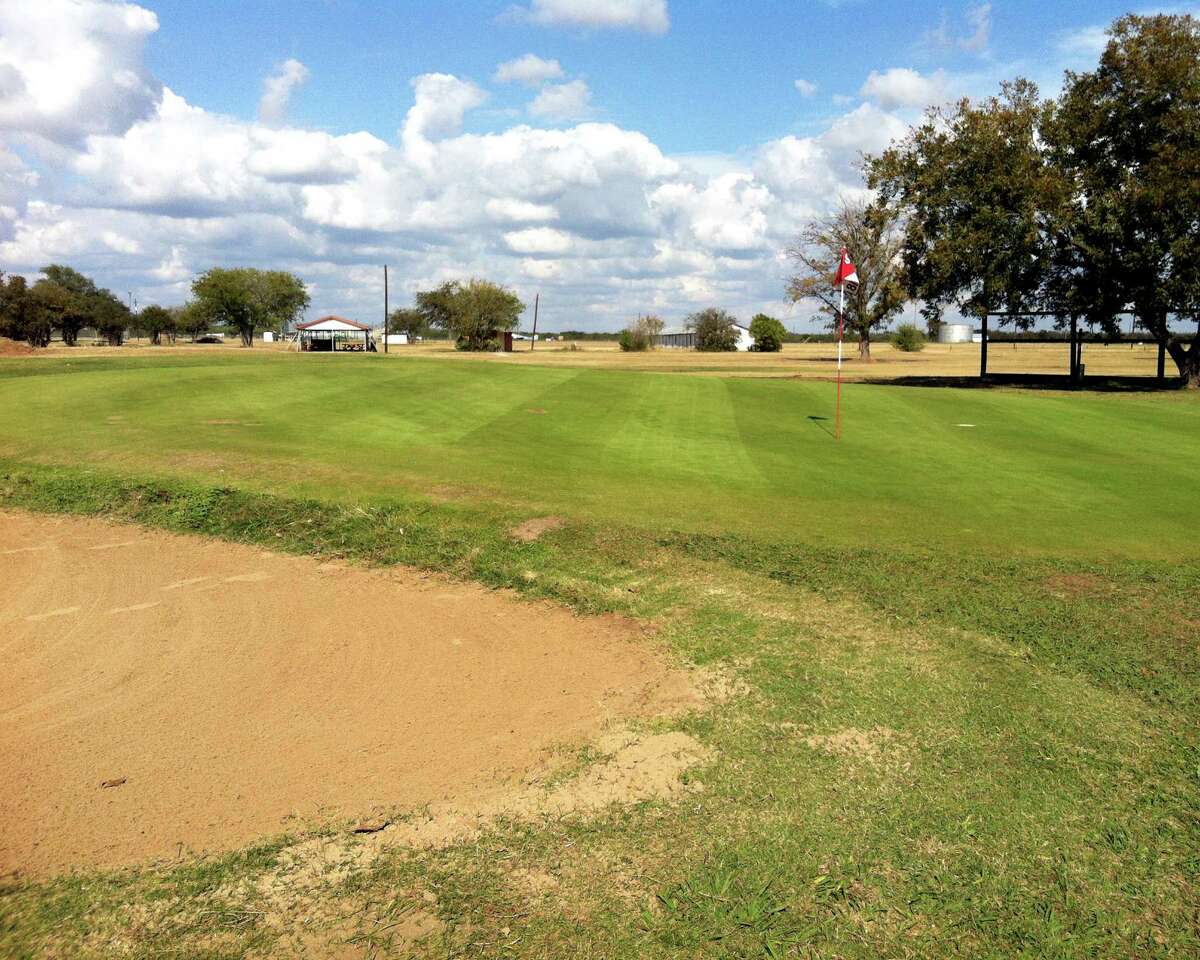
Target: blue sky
640, 156
721, 78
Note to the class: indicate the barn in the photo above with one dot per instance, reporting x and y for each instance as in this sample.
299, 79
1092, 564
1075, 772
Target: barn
330, 334
681, 338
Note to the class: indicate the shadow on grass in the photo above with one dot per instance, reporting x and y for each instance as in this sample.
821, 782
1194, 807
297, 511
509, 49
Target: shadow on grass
1033, 381
820, 422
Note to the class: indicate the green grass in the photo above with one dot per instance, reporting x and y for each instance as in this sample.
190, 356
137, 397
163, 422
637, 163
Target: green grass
1080, 474
1032, 687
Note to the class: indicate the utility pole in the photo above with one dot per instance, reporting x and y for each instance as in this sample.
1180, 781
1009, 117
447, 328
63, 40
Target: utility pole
533, 339
385, 309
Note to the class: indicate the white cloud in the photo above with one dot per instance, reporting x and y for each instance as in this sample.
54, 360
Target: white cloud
173, 268
278, 89
70, 68
508, 210
441, 102
647, 15
1086, 42
593, 215
539, 240
978, 22
563, 101
806, 88
902, 87
529, 70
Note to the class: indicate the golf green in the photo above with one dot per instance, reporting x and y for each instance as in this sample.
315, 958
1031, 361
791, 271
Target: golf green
996, 470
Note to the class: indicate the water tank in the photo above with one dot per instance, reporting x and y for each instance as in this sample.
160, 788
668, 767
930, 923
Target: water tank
955, 333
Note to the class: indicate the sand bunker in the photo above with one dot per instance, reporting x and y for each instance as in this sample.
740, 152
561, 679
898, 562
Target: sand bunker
165, 694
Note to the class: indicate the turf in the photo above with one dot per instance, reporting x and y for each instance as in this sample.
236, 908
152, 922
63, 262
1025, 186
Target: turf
1029, 789
1036, 472
1000, 621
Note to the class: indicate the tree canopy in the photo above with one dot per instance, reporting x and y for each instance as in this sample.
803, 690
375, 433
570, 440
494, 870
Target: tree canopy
245, 299
1084, 207
154, 321
472, 312
409, 321
768, 333
714, 329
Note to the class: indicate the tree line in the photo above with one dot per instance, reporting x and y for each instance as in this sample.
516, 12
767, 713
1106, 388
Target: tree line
240, 300
1084, 208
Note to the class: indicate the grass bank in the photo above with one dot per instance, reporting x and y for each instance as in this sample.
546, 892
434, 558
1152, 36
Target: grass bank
937, 753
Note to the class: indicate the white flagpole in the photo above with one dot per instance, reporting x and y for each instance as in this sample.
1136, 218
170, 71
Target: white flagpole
837, 421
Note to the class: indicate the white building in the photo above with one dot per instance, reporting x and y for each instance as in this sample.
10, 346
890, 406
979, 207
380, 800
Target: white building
955, 331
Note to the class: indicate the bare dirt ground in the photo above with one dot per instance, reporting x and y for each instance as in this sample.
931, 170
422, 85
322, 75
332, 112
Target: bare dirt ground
164, 695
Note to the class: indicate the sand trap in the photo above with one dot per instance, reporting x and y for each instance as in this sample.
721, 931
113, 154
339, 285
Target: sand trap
226, 693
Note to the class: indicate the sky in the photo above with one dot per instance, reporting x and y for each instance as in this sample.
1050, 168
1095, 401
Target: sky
616, 156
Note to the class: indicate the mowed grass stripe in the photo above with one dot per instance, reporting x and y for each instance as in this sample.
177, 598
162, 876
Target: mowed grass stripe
1081, 474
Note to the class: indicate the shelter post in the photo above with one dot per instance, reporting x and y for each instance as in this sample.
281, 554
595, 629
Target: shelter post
983, 345
1074, 365
1162, 362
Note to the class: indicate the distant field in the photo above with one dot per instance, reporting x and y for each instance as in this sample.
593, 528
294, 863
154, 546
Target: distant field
817, 360
999, 470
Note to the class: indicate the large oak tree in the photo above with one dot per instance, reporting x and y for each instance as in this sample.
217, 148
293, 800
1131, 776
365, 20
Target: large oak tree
246, 300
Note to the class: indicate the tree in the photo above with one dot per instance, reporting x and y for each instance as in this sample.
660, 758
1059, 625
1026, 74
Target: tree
409, 321
1126, 139
652, 326
472, 312
77, 307
641, 334
245, 299
49, 303
154, 321
768, 334
111, 317
189, 319
974, 186
15, 306
908, 339
714, 329
872, 235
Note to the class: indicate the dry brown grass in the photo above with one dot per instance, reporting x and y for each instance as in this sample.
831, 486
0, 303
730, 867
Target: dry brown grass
813, 360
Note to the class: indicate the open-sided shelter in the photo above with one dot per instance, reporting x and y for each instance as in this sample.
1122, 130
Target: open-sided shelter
334, 334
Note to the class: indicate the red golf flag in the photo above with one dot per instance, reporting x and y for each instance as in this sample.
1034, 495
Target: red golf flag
845, 272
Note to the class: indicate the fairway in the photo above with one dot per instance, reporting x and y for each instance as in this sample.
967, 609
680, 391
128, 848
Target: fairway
1085, 474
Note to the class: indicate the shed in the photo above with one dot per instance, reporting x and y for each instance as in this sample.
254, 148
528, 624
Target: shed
683, 339
332, 333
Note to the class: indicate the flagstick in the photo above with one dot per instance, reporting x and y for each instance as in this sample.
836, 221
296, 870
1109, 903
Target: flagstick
837, 417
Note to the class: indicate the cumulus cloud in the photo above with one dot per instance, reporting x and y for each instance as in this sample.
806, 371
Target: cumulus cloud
441, 102
529, 70
902, 87
594, 215
70, 68
563, 101
538, 240
806, 88
647, 15
278, 89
